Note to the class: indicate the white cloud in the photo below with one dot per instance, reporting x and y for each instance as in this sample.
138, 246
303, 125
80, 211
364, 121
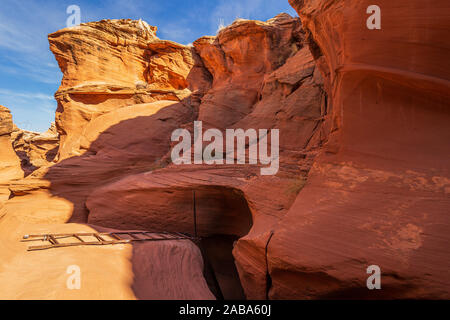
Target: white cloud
24, 27
30, 110
229, 10
25, 95
177, 33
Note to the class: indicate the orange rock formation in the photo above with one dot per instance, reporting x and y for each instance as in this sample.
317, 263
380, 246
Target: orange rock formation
363, 175
35, 149
10, 163
378, 194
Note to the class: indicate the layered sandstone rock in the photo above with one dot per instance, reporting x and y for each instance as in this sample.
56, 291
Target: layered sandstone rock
123, 92
112, 64
110, 126
113, 168
10, 163
378, 193
281, 90
35, 149
239, 58
170, 270
363, 175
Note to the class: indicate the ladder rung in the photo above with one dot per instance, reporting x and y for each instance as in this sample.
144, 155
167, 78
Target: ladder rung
99, 238
52, 239
115, 236
79, 238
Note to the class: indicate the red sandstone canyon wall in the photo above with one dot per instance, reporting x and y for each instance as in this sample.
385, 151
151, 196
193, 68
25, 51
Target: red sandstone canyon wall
378, 193
363, 178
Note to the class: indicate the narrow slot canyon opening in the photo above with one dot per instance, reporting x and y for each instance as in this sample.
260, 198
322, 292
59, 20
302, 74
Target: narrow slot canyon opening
220, 268
224, 217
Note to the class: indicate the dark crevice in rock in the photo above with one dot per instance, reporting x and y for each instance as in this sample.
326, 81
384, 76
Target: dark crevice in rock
316, 51
268, 276
25, 163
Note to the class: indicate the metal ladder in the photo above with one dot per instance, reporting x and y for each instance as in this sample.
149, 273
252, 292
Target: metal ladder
101, 238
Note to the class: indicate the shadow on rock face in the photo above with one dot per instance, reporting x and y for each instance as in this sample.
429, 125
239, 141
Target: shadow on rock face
137, 146
51, 154
25, 163
131, 146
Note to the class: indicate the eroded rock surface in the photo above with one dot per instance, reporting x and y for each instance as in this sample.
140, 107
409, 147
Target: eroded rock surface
363, 175
35, 149
111, 64
10, 164
378, 194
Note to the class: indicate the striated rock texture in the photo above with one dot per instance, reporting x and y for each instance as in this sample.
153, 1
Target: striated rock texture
111, 64
113, 167
363, 177
278, 89
10, 163
35, 149
378, 194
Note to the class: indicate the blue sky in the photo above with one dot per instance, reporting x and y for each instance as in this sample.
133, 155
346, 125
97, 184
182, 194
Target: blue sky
29, 74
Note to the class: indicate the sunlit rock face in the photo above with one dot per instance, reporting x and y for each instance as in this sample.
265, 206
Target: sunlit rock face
363, 174
35, 149
118, 106
112, 64
10, 163
262, 76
